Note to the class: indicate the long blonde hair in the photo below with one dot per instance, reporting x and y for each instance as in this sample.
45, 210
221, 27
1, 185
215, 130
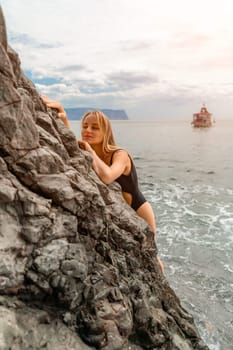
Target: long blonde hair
109, 143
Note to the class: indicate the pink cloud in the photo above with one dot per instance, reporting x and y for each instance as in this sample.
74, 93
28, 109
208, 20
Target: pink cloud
190, 40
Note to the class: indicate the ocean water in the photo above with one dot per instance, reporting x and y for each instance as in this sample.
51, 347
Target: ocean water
187, 175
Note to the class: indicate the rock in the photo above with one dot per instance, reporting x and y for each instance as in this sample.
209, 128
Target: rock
72, 259
44, 331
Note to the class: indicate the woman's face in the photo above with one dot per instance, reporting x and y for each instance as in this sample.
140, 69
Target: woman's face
91, 131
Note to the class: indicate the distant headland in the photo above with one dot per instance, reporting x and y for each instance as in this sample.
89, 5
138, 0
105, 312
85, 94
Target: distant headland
113, 114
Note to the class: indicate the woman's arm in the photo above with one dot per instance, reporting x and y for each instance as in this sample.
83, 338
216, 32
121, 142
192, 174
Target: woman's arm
107, 173
58, 106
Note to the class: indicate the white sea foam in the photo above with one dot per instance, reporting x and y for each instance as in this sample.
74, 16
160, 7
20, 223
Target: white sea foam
195, 235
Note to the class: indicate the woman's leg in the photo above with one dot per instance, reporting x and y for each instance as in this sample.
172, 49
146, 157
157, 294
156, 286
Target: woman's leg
145, 211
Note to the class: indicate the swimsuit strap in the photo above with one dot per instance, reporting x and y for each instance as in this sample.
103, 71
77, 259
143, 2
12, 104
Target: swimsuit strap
118, 149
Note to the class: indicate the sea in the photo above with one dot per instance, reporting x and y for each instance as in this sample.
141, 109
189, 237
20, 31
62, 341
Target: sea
186, 174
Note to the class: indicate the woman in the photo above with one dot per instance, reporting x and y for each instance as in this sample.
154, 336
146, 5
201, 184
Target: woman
110, 162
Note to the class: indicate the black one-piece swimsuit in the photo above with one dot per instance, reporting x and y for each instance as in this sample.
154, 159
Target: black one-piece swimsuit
129, 184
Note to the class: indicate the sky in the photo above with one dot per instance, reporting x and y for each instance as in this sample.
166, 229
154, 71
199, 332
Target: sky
156, 59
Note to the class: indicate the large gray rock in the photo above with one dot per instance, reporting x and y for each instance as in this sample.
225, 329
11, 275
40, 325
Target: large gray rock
72, 260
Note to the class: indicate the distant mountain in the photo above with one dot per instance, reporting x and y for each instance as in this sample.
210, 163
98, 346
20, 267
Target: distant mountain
113, 114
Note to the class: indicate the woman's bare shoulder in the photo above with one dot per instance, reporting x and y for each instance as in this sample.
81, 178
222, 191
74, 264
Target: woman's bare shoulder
117, 154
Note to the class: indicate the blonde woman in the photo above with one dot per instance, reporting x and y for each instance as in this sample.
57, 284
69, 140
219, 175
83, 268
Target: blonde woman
110, 162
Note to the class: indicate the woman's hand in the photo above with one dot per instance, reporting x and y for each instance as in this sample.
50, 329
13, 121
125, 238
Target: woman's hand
58, 106
53, 104
85, 146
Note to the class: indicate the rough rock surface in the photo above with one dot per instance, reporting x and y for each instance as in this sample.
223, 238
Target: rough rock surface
74, 273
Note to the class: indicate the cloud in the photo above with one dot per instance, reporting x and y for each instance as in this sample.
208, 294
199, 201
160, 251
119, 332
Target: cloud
90, 87
73, 67
190, 40
220, 60
135, 45
127, 80
111, 84
58, 91
125, 54
27, 40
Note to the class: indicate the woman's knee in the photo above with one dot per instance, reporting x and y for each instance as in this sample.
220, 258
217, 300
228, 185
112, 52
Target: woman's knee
146, 212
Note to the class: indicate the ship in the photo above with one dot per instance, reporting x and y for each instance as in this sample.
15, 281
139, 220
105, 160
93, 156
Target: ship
203, 119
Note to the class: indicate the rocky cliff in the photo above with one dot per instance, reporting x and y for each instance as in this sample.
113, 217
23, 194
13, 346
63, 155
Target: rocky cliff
74, 273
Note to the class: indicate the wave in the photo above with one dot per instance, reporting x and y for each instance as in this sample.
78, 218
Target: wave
195, 241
